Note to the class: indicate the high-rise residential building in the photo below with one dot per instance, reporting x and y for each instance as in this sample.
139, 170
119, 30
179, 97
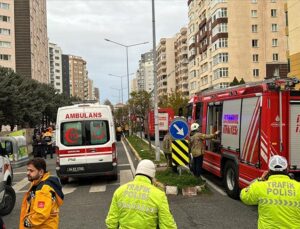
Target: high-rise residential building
7, 35
96, 93
78, 77
165, 62
134, 84
226, 40
145, 72
181, 63
65, 74
91, 92
293, 8
55, 67
31, 39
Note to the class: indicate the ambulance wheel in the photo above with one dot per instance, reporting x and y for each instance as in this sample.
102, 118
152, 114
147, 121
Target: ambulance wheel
230, 180
114, 176
64, 180
9, 200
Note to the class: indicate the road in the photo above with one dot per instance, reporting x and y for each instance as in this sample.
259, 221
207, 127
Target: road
87, 202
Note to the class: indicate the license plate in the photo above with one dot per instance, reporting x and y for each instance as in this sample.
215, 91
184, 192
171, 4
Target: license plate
75, 169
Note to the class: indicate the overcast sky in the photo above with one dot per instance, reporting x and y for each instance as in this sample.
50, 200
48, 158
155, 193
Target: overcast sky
79, 27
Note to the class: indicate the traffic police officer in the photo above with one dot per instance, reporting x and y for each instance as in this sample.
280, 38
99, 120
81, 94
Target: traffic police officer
277, 196
138, 204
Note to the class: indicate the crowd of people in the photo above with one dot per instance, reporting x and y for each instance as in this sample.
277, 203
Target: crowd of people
42, 142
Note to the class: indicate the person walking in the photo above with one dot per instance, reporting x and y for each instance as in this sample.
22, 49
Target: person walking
167, 148
139, 204
40, 205
197, 148
277, 196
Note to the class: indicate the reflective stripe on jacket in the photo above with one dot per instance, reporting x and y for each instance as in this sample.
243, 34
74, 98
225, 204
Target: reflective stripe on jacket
278, 201
196, 144
138, 204
41, 209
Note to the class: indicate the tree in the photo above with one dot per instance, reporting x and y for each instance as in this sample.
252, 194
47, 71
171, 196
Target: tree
107, 102
234, 82
242, 81
175, 100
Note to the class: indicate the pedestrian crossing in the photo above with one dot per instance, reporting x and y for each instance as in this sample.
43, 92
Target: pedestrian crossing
96, 186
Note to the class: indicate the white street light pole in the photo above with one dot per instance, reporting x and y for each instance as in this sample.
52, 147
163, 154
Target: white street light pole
120, 90
157, 150
127, 65
121, 82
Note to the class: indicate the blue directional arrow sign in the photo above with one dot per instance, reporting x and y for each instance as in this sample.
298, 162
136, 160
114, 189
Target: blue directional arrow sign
179, 129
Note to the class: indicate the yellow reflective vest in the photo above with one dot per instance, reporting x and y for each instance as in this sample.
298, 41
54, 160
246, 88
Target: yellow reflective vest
278, 200
138, 204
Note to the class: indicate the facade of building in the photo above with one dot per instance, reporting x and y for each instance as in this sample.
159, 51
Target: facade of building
227, 40
293, 8
97, 94
7, 35
145, 72
55, 67
134, 84
31, 39
91, 92
181, 63
65, 74
78, 77
165, 63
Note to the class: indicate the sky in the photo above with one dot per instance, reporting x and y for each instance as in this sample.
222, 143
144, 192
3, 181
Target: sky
80, 28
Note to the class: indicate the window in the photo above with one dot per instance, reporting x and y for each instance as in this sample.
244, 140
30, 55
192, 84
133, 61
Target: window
220, 58
253, 13
273, 13
5, 44
255, 57
220, 73
5, 57
274, 42
254, 28
274, 27
220, 43
4, 18
219, 13
4, 5
254, 43
253, 1
255, 72
4, 31
275, 56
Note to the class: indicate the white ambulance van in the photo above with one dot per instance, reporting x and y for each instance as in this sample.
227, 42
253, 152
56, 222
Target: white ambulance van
85, 141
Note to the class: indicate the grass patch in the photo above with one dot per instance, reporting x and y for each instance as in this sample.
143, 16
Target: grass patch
142, 148
186, 179
165, 176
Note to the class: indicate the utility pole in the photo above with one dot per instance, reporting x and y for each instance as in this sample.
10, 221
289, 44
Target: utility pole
157, 148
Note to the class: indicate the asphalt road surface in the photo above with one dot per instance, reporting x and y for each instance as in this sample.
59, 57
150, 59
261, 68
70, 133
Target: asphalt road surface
87, 201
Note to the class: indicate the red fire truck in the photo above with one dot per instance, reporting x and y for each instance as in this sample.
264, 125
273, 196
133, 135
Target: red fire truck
165, 117
256, 120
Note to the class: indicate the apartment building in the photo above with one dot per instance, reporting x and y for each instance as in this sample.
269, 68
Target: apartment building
145, 73
91, 95
293, 8
97, 94
78, 77
7, 35
181, 63
165, 63
65, 74
31, 39
55, 67
229, 39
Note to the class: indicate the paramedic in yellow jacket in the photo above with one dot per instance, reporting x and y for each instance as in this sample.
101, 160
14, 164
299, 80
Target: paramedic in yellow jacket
277, 197
138, 204
40, 206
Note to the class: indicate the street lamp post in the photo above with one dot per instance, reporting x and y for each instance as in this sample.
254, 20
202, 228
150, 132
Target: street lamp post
157, 149
121, 82
127, 65
119, 90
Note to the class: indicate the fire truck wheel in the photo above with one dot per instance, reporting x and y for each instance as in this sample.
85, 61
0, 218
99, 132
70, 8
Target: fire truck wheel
230, 180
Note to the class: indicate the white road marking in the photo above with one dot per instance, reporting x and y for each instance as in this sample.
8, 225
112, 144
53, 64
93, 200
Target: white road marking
123, 165
68, 188
98, 188
20, 185
125, 176
216, 188
129, 159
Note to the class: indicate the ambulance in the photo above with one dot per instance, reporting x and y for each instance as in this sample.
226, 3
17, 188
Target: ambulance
85, 142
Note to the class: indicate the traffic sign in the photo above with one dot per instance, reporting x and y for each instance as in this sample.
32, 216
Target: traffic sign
180, 152
179, 129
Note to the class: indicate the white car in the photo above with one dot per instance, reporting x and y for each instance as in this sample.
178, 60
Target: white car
7, 193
